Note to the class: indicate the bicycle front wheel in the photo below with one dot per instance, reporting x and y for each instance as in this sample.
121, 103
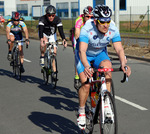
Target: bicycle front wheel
108, 124
18, 71
54, 79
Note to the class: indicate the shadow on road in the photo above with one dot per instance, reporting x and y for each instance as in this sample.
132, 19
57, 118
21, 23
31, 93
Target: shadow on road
60, 103
52, 122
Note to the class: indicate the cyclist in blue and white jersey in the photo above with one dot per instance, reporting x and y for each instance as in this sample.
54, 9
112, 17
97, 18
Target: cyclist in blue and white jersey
14, 32
94, 37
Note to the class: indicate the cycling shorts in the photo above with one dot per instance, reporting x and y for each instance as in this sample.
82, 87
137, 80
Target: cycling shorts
97, 60
51, 38
18, 37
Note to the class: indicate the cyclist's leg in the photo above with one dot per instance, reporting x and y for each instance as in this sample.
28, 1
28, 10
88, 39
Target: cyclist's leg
53, 64
77, 83
12, 38
43, 49
103, 60
83, 92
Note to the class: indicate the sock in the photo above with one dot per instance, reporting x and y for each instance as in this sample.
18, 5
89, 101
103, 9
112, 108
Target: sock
81, 109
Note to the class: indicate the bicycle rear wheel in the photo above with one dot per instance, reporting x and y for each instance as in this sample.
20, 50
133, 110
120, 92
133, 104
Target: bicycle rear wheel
108, 125
53, 74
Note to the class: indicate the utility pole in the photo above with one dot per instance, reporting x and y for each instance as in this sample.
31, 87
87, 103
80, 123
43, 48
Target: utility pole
117, 4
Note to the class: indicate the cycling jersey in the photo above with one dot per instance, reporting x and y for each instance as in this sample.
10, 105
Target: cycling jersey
50, 28
16, 30
97, 41
79, 22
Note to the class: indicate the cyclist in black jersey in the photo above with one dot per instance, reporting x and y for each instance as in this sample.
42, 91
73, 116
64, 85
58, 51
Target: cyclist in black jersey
48, 25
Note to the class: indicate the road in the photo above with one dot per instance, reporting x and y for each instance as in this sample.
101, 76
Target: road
30, 107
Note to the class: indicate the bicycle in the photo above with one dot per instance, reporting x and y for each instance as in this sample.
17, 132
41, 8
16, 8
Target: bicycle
49, 59
16, 61
96, 109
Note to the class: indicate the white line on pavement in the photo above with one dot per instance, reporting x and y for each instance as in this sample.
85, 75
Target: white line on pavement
27, 60
130, 103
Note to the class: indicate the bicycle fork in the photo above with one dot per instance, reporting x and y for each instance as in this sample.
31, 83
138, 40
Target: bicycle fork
103, 91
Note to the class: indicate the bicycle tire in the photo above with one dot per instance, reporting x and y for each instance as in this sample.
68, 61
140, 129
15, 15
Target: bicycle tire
112, 89
18, 70
53, 80
45, 70
110, 125
14, 65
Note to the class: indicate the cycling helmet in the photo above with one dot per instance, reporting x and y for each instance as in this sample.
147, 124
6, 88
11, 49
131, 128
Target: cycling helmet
50, 10
16, 16
88, 10
102, 13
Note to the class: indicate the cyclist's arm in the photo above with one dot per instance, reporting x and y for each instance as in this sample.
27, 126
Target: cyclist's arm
61, 32
7, 32
26, 32
120, 52
77, 33
82, 53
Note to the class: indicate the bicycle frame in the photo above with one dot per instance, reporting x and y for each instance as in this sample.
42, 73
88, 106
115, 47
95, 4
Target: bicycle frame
103, 87
50, 51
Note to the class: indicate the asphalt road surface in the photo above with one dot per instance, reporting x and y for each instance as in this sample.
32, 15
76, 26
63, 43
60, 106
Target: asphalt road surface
30, 107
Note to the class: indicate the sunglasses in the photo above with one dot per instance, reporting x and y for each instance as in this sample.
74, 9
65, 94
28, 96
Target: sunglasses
89, 16
103, 22
51, 15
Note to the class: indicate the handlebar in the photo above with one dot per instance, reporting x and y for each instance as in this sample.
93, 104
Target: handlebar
125, 77
20, 41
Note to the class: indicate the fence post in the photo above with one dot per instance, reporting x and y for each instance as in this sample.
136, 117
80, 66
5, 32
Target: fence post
148, 17
130, 18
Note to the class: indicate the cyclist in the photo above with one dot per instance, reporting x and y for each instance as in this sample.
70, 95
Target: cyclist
94, 38
79, 23
14, 28
2, 20
48, 25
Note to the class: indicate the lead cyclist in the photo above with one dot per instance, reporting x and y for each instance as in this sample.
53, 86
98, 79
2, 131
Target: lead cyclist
94, 37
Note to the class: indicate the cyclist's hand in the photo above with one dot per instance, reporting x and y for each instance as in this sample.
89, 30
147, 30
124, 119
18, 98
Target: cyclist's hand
88, 72
27, 41
9, 41
64, 43
126, 69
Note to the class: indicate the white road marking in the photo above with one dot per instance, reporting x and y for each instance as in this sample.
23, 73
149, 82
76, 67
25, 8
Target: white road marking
27, 60
131, 103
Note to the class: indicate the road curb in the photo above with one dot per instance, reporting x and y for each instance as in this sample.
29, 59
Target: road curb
132, 57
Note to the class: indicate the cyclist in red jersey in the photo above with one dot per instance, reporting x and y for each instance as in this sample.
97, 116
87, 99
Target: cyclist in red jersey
2, 20
79, 23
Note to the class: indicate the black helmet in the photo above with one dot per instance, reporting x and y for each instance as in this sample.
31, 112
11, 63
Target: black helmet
102, 12
16, 16
50, 10
88, 10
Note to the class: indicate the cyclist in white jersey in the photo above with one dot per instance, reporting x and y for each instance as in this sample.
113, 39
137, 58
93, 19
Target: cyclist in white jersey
94, 37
